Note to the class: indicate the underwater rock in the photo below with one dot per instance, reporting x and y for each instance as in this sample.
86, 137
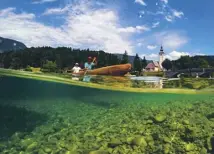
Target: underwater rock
139, 141
114, 142
160, 118
166, 139
47, 150
17, 136
26, 142
99, 152
203, 151
41, 151
32, 146
189, 147
167, 148
186, 122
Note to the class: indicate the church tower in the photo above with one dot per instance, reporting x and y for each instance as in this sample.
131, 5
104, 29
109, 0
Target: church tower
161, 57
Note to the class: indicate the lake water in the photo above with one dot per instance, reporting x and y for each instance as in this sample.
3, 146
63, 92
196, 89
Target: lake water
147, 78
47, 117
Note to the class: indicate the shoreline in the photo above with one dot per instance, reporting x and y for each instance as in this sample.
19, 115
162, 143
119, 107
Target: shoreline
52, 78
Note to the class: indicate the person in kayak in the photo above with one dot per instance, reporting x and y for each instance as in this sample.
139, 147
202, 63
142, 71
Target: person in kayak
76, 68
88, 65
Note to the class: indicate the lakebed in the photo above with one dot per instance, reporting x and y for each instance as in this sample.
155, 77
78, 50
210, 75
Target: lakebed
49, 117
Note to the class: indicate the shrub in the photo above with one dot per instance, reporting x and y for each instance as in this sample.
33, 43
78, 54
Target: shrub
28, 68
138, 84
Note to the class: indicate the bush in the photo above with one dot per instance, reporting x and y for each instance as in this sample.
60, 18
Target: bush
173, 84
28, 68
138, 84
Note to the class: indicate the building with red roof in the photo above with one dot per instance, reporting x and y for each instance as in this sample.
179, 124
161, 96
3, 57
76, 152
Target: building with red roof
155, 66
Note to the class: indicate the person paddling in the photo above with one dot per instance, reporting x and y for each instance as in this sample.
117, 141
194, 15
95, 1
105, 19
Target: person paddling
88, 65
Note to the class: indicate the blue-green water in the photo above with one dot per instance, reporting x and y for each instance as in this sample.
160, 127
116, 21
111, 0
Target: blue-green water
47, 117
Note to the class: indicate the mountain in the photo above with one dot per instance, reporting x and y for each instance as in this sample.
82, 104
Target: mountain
9, 44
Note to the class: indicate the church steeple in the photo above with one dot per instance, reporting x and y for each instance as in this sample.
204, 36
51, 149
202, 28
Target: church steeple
161, 56
161, 51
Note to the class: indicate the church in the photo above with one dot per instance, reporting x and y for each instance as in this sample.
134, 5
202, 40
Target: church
155, 66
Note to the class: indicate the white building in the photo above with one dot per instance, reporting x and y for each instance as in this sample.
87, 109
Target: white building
156, 66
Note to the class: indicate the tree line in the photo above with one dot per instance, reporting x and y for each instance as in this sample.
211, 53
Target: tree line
54, 59
187, 62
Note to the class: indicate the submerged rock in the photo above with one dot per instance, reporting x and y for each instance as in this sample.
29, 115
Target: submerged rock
32, 147
189, 147
139, 141
160, 118
114, 142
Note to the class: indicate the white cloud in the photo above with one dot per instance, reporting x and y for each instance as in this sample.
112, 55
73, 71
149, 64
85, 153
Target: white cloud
42, 1
52, 11
139, 44
178, 14
151, 47
156, 24
134, 29
141, 2
168, 13
170, 39
152, 56
169, 18
165, 1
80, 30
174, 55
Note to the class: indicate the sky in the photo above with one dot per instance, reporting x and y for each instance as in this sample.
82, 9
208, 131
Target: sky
137, 26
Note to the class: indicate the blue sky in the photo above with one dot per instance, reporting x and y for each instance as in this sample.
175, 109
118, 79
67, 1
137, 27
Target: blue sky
138, 26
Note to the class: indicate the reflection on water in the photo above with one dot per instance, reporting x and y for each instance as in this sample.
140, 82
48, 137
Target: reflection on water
147, 78
47, 117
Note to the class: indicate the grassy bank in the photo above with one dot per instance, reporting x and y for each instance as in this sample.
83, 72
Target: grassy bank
67, 80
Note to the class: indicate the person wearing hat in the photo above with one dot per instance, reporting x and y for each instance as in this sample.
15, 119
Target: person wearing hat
88, 65
76, 68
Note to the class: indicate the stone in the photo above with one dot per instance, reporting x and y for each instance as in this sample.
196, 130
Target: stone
166, 148
139, 141
166, 139
189, 147
186, 122
114, 142
32, 146
160, 118
47, 150
25, 142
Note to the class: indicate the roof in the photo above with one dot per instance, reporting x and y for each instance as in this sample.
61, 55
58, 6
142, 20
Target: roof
152, 65
156, 64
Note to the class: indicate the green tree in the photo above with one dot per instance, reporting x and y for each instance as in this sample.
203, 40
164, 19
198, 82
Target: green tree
201, 63
137, 63
49, 66
125, 58
15, 63
144, 62
167, 64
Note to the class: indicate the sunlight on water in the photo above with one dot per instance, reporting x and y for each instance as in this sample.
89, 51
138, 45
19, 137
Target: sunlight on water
45, 117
